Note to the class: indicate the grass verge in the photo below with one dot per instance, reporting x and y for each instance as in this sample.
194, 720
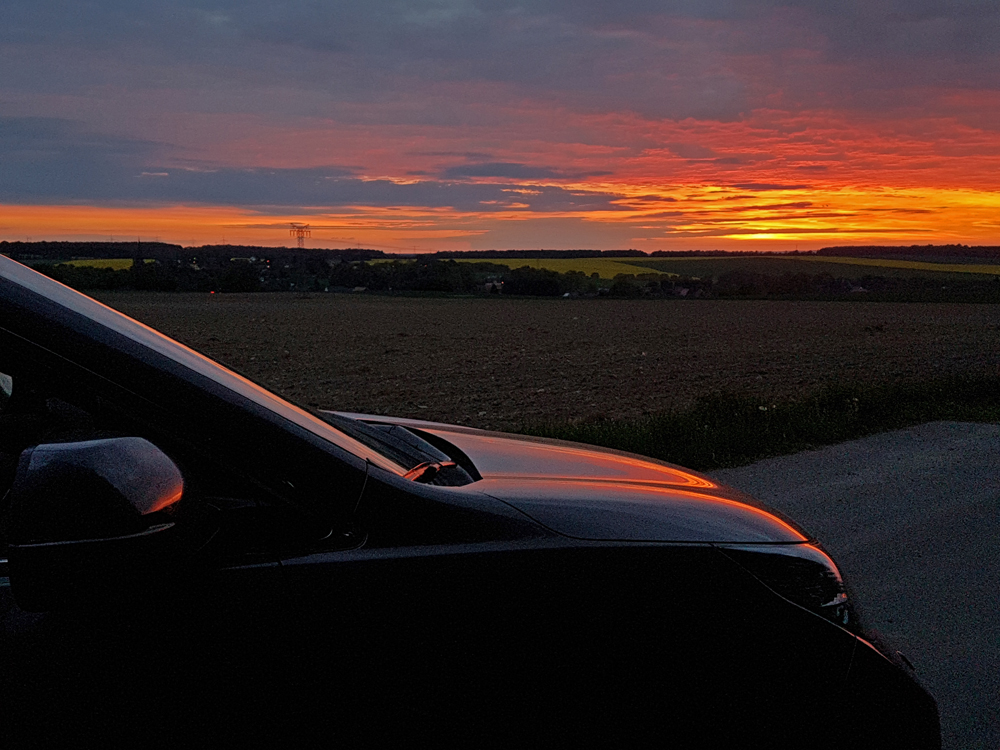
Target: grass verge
725, 429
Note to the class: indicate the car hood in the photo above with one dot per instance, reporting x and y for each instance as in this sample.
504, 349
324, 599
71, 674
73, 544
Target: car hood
595, 493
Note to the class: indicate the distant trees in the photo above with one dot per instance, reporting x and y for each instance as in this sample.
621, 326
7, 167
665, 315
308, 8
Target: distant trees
913, 252
421, 275
220, 269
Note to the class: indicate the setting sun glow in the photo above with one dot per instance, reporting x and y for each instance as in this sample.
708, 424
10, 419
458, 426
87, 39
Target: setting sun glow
458, 125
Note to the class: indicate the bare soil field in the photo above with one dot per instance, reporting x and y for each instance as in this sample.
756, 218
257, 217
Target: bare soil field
502, 363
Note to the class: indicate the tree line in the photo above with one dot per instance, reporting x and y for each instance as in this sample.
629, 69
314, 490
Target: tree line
314, 273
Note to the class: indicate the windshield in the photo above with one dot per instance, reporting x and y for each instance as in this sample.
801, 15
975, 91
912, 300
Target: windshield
152, 339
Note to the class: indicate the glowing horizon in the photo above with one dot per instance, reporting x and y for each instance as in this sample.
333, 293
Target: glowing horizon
565, 125
703, 219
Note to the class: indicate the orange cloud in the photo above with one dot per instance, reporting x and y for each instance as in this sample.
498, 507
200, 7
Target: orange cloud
648, 216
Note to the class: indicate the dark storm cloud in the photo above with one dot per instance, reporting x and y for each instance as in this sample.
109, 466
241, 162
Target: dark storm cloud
53, 161
911, 28
323, 189
664, 59
56, 137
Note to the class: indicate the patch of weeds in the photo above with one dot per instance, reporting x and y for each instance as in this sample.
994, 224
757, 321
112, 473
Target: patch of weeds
728, 429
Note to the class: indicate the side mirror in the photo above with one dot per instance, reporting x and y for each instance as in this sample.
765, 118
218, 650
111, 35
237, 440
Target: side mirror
80, 524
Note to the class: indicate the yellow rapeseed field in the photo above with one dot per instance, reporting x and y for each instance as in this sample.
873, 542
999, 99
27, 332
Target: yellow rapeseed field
608, 268
605, 268
115, 263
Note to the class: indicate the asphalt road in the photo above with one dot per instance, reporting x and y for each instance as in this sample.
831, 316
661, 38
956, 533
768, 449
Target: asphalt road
913, 519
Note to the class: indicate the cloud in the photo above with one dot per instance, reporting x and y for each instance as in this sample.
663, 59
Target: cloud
650, 197
771, 206
690, 150
501, 169
363, 51
669, 59
459, 104
52, 159
477, 156
762, 186
57, 161
41, 137
515, 171
318, 188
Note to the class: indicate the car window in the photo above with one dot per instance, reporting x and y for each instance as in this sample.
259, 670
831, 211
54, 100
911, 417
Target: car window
32, 411
161, 344
23, 422
8, 462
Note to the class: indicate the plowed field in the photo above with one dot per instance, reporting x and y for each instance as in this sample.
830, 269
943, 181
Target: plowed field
502, 363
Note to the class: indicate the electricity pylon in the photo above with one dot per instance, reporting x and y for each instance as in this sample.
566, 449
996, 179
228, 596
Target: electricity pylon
300, 232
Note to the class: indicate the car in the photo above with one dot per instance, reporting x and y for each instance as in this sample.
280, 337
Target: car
193, 559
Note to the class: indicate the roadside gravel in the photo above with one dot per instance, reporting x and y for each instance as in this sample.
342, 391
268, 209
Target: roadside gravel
913, 519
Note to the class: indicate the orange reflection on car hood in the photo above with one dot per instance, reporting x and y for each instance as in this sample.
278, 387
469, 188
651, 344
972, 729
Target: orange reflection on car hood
497, 457
630, 511
596, 493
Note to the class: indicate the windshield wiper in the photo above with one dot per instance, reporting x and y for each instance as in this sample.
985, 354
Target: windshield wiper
422, 461
426, 471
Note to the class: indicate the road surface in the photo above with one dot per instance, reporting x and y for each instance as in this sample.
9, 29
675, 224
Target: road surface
913, 519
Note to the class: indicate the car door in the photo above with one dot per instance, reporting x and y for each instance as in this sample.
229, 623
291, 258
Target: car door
191, 648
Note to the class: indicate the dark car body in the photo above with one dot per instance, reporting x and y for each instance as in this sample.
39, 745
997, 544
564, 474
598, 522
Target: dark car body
193, 559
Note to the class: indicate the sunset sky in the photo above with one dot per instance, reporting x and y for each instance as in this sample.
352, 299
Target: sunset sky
463, 124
